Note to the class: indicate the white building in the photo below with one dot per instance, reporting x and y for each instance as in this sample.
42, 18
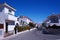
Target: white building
52, 24
53, 19
7, 18
24, 20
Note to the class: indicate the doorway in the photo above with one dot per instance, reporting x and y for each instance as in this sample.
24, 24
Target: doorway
6, 29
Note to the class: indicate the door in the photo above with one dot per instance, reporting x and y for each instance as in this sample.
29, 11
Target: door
6, 28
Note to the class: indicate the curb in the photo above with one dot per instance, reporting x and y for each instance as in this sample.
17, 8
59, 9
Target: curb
19, 33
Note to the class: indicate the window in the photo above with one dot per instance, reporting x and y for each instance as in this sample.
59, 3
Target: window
1, 8
10, 11
1, 26
11, 23
54, 20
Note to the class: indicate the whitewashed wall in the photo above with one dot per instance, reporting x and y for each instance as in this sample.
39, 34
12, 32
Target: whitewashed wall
4, 15
11, 27
6, 10
2, 21
13, 13
11, 17
26, 20
51, 24
2, 18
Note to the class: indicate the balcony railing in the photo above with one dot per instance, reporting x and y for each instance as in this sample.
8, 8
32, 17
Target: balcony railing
10, 17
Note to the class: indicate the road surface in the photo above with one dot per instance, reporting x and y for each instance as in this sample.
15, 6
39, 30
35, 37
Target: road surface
34, 35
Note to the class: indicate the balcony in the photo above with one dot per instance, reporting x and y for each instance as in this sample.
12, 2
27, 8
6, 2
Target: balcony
58, 24
10, 17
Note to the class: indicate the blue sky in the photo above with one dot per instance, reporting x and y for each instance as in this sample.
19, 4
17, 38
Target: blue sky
37, 10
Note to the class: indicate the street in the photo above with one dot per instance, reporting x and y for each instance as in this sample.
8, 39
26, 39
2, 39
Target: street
33, 35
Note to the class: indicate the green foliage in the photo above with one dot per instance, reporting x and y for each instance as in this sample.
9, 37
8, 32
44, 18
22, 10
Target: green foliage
44, 24
22, 28
26, 28
31, 25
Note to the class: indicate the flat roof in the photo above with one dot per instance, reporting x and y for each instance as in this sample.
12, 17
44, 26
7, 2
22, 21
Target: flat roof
8, 6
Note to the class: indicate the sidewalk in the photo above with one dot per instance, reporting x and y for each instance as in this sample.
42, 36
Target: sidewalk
32, 34
19, 33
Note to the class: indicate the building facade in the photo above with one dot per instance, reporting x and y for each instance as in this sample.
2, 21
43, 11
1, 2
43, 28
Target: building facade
52, 24
24, 20
53, 19
7, 18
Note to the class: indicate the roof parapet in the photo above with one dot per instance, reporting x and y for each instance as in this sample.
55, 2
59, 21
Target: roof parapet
6, 5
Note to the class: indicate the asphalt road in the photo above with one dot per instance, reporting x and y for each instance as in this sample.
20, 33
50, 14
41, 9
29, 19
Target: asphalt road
34, 35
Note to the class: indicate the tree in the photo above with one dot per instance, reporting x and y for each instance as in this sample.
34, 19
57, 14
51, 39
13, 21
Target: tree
44, 25
31, 24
